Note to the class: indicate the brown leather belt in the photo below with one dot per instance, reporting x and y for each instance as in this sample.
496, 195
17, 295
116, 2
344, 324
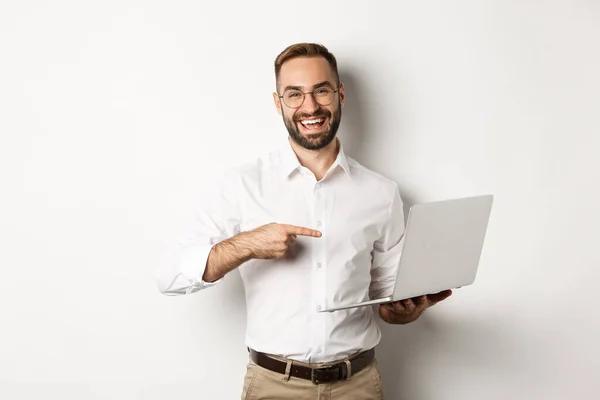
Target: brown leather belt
335, 372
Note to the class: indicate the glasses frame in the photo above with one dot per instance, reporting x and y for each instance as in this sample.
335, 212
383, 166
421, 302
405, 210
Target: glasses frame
336, 90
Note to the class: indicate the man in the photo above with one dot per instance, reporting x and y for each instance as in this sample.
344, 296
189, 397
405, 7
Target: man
308, 227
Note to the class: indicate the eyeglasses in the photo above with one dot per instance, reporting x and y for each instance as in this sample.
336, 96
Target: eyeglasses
294, 98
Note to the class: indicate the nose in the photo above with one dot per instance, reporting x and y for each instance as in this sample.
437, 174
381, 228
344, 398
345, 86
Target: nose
309, 105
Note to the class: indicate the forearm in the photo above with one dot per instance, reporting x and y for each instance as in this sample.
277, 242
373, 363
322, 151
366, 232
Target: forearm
227, 256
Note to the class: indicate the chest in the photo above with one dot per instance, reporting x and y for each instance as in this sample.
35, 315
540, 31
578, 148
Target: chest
348, 217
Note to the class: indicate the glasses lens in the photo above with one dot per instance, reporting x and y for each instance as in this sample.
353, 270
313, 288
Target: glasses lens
293, 98
324, 96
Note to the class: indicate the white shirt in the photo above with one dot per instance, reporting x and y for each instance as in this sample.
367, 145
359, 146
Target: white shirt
360, 215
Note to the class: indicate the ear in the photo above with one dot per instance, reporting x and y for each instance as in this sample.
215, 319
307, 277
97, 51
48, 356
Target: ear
277, 102
342, 94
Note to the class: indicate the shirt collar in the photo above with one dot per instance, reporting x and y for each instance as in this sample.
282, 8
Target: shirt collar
290, 162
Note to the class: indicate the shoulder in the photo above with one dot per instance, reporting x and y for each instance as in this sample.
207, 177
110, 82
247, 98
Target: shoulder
372, 180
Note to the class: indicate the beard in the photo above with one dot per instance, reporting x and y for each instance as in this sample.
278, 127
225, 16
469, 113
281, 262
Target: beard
314, 142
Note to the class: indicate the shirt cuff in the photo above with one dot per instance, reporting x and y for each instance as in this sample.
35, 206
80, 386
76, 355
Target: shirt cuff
193, 265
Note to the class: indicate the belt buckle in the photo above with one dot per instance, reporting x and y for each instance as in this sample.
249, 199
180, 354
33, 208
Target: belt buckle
316, 378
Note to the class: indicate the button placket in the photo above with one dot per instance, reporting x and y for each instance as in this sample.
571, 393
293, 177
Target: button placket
319, 207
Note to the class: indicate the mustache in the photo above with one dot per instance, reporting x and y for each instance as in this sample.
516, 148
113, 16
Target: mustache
318, 113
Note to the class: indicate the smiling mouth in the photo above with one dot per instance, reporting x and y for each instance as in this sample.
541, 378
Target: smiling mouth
312, 124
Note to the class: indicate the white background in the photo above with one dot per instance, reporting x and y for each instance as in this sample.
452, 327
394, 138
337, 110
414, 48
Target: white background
116, 116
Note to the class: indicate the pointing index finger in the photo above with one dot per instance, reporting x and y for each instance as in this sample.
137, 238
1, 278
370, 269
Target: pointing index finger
300, 230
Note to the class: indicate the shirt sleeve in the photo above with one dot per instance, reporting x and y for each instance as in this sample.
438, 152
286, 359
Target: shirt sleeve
387, 250
216, 218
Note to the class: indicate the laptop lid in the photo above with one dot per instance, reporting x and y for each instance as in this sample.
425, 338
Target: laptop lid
442, 245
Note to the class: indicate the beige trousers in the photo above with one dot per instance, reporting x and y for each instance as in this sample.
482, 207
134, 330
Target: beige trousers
262, 384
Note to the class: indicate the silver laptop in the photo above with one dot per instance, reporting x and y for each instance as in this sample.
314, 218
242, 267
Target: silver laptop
443, 242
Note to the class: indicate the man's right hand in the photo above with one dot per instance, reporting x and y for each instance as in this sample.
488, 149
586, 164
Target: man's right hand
266, 242
273, 240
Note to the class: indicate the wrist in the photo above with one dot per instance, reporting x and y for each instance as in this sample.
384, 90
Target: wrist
243, 244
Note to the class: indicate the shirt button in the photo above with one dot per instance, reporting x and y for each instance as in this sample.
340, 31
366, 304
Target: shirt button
319, 223
318, 350
318, 186
319, 307
318, 265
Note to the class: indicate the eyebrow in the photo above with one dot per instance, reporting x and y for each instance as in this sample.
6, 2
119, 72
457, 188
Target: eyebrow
318, 85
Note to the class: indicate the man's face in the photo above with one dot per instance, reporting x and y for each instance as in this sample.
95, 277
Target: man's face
307, 74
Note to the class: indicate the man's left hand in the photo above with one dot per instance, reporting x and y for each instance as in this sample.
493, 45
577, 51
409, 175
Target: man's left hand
409, 310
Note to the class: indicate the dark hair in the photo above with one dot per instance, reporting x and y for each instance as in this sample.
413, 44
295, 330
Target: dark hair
305, 50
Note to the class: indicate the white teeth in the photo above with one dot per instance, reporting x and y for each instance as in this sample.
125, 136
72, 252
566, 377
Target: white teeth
312, 121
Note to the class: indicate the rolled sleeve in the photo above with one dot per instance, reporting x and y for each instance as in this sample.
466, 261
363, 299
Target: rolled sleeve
191, 266
216, 219
387, 250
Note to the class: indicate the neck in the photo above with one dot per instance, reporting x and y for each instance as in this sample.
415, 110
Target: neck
318, 161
